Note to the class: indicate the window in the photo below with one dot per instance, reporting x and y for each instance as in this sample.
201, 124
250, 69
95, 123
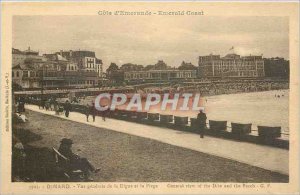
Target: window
32, 74
13, 74
25, 74
17, 73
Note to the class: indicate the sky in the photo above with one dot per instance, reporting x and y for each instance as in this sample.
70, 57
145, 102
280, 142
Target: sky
147, 39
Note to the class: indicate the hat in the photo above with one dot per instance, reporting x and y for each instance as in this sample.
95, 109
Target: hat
66, 141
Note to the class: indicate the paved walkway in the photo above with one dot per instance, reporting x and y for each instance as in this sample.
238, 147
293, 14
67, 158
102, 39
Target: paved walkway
270, 158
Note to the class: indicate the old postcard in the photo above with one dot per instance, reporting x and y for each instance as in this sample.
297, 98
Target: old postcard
149, 97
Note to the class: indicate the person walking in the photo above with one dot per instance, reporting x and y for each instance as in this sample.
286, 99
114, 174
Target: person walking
52, 101
55, 107
87, 112
42, 103
21, 106
93, 111
67, 108
104, 114
47, 105
202, 123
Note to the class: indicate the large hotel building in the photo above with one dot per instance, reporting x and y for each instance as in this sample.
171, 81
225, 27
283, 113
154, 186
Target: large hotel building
231, 65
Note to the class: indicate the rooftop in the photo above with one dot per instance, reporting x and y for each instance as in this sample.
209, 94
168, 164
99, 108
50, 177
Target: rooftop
55, 57
77, 54
231, 56
26, 52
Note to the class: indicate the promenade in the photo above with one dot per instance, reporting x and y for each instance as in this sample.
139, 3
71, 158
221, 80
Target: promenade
269, 158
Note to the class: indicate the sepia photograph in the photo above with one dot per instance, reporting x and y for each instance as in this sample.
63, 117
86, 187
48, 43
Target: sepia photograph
130, 98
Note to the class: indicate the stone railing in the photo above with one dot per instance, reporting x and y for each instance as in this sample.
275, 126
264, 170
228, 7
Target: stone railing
237, 131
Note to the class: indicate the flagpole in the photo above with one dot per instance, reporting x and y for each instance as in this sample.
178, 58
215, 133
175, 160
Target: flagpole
232, 48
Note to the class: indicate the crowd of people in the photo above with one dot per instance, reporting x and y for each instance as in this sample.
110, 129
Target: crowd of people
62, 105
218, 87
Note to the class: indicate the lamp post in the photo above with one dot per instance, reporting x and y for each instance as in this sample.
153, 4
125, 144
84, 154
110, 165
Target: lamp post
42, 81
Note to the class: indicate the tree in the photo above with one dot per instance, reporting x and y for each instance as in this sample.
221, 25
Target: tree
131, 67
112, 67
276, 67
187, 66
115, 74
160, 65
149, 67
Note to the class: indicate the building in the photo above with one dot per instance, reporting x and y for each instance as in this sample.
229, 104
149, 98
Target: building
18, 57
54, 71
86, 60
277, 67
157, 72
26, 66
76, 72
231, 65
51, 71
99, 67
159, 75
25, 76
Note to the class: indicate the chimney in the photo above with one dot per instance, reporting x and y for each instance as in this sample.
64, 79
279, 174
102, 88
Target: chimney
71, 53
61, 52
29, 48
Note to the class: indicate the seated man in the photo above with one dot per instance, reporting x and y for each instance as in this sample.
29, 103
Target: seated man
76, 162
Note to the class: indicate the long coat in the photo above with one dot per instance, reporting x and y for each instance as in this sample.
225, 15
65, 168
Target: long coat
202, 119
